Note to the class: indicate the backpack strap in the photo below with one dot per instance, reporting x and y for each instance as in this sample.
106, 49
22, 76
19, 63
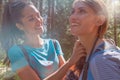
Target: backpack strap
55, 44
7, 61
25, 53
26, 56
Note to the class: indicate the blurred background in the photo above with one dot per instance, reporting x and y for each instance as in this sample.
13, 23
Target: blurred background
56, 14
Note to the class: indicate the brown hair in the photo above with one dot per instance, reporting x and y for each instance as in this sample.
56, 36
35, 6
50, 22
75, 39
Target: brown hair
12, 15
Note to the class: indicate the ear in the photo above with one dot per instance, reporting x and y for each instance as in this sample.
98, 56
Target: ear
101, 20
19, 26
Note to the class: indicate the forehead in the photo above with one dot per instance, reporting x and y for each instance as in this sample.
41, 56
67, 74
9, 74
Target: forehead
29, 10
80, 4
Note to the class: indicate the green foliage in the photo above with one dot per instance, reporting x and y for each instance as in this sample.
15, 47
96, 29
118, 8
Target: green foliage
9, 75
2, 54
114, 22
61, 26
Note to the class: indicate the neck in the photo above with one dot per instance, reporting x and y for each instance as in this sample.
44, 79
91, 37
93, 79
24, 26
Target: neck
34, 41
88, 42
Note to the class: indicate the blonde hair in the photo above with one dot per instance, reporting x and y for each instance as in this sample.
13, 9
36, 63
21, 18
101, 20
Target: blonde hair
99, 7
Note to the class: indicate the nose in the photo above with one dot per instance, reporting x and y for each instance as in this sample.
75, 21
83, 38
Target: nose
39, 19
73, 17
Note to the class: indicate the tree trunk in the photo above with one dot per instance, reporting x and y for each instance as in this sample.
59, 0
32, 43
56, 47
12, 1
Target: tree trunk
50, 16
115, 25
41, 6
1, 10
52, 13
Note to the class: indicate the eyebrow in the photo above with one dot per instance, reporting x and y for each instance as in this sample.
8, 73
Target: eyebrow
32, 14
81, 7
28, 16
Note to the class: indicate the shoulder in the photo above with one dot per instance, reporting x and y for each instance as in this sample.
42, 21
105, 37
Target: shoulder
109, 61
16, 58
14, 51
54, 40
108, 52
108, 57
51, 41
14, 48
105, 65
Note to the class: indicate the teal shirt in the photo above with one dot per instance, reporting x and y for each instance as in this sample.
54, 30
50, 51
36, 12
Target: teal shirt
43, 60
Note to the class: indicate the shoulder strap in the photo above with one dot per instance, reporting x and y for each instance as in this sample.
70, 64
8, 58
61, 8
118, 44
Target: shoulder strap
55, 45
7, 61
24, 52
26, 56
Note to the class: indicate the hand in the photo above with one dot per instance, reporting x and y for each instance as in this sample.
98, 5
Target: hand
78, 52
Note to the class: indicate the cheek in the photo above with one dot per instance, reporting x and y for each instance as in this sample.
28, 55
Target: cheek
28, 27
89, 21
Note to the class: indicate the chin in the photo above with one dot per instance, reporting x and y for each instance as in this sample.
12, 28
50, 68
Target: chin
74, 34
39, 32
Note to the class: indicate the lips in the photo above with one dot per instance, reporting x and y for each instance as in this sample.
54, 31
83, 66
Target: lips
38, 27
74, 25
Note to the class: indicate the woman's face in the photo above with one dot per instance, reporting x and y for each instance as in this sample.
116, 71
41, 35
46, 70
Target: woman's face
32, 22
83, 20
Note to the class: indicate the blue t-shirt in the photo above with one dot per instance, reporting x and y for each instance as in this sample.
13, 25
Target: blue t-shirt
43, 60
104, 63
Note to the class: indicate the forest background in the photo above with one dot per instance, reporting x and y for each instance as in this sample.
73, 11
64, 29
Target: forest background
56, 14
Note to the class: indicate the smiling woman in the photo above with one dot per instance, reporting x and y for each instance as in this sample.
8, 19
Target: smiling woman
101, 60
35, 58
89, 22
31, 22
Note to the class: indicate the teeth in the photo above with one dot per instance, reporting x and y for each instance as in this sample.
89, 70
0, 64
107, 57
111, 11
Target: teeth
74, 24
38, 28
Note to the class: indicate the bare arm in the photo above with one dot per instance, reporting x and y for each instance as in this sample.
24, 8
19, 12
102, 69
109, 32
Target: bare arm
60, 73
27, 73
61, 60
78, 52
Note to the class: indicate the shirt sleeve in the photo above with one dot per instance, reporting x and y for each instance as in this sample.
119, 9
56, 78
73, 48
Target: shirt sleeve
58, 48
17, 58
106, 66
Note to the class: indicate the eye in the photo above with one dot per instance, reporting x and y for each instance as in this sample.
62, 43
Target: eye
31, 19
72, 11
82, 11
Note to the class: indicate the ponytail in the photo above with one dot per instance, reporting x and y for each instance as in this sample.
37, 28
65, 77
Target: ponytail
10, 34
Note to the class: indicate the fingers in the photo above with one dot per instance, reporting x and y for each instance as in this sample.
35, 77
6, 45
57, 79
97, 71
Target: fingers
77, 43
79, 51
74, 59
78, 48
